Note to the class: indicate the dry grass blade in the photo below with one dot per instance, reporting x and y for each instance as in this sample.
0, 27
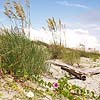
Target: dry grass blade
19, 10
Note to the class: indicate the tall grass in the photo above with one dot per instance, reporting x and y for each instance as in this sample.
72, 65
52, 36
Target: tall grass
70, 56
20, 56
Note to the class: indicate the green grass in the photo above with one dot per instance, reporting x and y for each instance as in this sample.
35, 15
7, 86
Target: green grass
23, 58
20, 56
69, 55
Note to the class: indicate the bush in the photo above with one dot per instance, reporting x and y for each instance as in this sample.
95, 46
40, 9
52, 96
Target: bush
20, 56
91, 55
69, 56
56, 51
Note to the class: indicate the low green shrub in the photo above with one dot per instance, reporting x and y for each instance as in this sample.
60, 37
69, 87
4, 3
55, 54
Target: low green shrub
68, 55
20, 56
91, 55
71, 57
56, 51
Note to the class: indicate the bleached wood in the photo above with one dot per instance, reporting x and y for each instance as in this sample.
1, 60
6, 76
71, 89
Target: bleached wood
79, 73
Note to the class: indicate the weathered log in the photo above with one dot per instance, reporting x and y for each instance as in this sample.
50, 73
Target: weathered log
78, 75
91, 71
77, 72
72, 70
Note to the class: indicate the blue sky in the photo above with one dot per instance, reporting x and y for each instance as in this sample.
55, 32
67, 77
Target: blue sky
66, 10
76, 14
69, 11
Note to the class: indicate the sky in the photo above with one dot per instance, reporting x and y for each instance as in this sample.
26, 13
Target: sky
82, 19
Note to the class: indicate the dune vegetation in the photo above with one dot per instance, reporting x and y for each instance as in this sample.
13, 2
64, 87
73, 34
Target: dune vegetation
25, 60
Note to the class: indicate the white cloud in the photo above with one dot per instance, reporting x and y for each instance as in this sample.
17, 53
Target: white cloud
80, 31
40, 35
94, 29
90, 17
65, 3
74, 37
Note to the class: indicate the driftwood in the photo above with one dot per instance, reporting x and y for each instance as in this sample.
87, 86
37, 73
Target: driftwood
77, 72
91, 71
